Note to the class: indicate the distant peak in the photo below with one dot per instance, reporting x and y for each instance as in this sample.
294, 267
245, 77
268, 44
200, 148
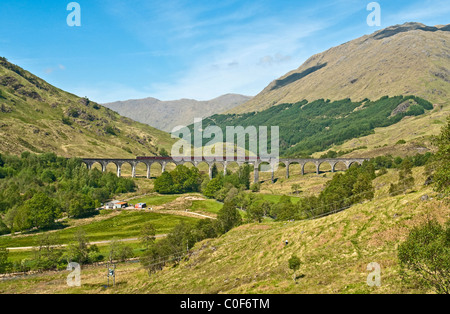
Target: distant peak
406, 27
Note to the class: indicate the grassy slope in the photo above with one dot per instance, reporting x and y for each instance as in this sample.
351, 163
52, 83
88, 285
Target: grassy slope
371, 66
416, 131
125, 225
334, 250
31, 113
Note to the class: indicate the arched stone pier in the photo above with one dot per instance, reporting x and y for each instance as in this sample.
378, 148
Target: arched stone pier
163, 161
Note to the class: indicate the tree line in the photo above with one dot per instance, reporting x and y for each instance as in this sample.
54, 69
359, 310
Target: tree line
185, 180
175, 247
424, 257
344, 190
36, 190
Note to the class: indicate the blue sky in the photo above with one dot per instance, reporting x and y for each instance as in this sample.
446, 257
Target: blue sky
201, 49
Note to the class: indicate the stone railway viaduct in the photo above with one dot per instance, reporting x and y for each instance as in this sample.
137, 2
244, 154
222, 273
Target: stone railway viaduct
163, 161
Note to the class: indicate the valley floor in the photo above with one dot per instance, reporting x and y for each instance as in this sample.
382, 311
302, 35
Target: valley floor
334, 251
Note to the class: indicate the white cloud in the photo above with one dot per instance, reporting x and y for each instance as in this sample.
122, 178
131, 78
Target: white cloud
243, 64
50, 70
251, 46
276, 59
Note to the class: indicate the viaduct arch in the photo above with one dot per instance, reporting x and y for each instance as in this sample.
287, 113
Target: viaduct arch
256, 162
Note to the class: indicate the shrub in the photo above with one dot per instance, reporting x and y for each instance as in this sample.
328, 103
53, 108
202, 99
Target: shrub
382, 172
119, 251
110, 130
78, 250
73, 112
82, 206
213, 187
405, 179
294, 265
4, 263
425, 256
415, 110
163, 153
164, 184
66, 121
441, 176
40, 212
228, 217
255, 187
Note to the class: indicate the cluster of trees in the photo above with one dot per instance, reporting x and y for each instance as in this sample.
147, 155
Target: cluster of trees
219, 187
180, 180
173, 248
389, 162
49, 255
424, 257
185, 180
345, 189
441, 163
342, 191
306, 128
36, 190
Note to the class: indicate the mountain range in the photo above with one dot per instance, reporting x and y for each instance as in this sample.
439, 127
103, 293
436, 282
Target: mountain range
165, 115
402, 60
408, 59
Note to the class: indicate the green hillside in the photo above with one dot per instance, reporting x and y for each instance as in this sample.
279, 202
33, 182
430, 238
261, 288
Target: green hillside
38, 117
306, 128
334, 253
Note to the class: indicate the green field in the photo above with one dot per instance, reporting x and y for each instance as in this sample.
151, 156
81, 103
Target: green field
123, 226
19, 255
210, 206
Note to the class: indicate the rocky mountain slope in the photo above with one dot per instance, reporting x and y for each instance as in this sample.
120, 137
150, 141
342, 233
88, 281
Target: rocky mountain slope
408, 59
38, 117
165, 115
